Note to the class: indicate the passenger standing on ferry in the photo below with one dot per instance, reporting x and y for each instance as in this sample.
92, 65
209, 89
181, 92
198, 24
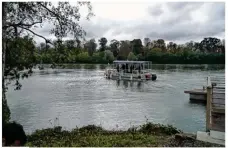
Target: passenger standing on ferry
123, 66
118, 68
131, 68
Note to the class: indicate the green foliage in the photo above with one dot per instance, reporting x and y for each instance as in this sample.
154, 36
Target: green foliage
156, 49
114, 45
83, 57
91, 46
210, 44
103, 41
151, 128
131, 57
19, 59
147, 135
185, 57
22, 57
137, 46
109, 56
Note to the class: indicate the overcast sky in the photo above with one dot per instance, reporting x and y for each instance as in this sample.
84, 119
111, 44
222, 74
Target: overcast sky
172, 21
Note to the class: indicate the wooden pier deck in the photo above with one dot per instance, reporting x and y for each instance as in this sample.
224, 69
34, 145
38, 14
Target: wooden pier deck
197, 95
215, 112
216, 105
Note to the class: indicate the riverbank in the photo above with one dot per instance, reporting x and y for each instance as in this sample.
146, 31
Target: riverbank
146, 135
153, 66
153, 56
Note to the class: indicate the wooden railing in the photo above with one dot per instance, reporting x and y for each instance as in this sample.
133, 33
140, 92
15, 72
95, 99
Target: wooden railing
215, 114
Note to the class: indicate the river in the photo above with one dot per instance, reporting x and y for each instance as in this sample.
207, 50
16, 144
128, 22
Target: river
78, 95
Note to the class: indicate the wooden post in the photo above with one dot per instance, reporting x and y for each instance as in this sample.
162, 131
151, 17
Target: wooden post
208, 110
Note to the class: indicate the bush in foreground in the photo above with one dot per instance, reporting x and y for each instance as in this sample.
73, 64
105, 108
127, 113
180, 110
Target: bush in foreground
146, 135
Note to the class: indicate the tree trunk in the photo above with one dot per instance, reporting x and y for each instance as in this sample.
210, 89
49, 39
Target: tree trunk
5, 108
3, 38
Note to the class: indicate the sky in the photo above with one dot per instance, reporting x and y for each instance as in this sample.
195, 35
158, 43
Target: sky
178, 22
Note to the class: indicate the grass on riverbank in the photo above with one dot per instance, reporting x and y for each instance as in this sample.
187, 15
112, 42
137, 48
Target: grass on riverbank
148, 135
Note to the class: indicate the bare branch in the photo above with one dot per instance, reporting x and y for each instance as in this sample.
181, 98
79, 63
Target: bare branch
29, 25
48, 9
47, 41
56, 15
21, 24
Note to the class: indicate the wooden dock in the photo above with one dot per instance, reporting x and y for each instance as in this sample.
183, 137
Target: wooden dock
197, 95
215, 112
216, 105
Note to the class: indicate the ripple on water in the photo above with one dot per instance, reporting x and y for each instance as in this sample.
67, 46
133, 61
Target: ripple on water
79, 97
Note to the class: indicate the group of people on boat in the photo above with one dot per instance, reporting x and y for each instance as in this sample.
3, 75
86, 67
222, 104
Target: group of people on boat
140, 69
128, 68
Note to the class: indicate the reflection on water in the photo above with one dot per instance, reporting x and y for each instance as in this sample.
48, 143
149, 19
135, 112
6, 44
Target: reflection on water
103, 66
132, 84
202, 67
81, 96
90, 66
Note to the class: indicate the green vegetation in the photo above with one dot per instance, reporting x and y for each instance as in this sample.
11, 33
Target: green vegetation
147, 135
156, 51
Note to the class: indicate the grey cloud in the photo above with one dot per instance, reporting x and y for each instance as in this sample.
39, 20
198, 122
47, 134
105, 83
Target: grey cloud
179, 12
178, 26
183, 6
156, 10
186, 31
177, 5
97, 30
177, 19
217, 11
44, 30
93, 30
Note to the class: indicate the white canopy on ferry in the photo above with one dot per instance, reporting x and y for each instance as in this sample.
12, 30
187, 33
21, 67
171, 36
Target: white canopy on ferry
130, 62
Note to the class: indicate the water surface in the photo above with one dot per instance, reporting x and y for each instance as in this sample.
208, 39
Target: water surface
79, 95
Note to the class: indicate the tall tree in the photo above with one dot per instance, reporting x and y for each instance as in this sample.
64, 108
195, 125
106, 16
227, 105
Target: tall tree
172, 46
223, 46
136, 45
160, 43
109, 56
114, 45
153, 44
190, 45
131, 57
21, 17
78, 42
125, 49
210, 44
197, 47
44, 47
91, 46
103, 41
70, 44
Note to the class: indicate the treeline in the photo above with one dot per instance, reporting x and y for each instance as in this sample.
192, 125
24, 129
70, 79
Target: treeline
208, 51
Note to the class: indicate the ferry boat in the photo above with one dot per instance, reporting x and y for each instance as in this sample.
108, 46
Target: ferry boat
130, 70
